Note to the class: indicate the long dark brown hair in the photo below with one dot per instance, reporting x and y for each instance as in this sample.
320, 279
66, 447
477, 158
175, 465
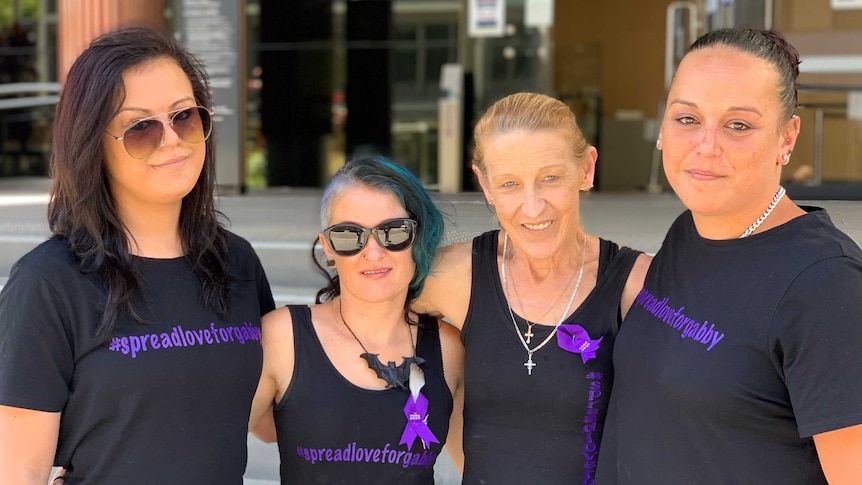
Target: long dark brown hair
82, 209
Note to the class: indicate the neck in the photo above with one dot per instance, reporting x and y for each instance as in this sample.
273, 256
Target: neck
732, 226
374, 322
153, 230
563, 263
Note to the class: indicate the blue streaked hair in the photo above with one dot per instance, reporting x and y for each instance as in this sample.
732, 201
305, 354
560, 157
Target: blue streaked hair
379, 173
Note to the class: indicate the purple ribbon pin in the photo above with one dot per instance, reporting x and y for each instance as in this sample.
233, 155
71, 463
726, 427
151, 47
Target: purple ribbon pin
416, 412
575, 339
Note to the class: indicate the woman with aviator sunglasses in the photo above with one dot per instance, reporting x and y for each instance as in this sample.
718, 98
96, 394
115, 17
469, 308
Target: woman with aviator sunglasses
360, 388
129, 342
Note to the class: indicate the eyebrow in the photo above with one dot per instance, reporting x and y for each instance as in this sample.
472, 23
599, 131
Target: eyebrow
750, 109
147, 111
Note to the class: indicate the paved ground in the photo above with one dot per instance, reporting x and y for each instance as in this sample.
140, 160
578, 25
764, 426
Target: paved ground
281, 224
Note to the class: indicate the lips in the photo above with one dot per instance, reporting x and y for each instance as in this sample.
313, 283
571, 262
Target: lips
703, 174
540, 226
173, 162
375, 272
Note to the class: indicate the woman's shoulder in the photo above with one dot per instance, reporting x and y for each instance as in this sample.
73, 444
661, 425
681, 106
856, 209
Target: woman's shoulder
52, 258
277, 330
236, 243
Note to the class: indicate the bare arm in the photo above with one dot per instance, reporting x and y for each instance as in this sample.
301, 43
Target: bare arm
278, 362
453, 368
28, 442
635, 283
447, 288
840, 453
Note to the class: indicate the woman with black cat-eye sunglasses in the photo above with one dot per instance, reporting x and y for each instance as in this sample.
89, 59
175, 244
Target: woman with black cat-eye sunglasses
358, 375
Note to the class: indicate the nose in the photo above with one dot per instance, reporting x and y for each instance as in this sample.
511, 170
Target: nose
533, 201
372, 249
708, 142
169, 135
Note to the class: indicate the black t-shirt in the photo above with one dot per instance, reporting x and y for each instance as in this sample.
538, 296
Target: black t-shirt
545, 427
734, 355
163, 402
332, 431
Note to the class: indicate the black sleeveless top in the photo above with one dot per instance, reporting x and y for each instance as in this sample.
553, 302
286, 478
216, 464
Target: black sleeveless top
331, 431
545, 427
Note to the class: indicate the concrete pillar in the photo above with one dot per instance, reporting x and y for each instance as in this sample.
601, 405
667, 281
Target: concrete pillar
81, 21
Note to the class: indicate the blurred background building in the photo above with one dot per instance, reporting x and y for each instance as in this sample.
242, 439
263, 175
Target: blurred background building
301, 85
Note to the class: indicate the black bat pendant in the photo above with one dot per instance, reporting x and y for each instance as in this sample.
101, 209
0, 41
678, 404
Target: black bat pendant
393, 375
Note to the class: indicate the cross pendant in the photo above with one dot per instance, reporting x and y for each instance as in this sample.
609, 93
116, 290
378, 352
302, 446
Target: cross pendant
529, 333
529, 364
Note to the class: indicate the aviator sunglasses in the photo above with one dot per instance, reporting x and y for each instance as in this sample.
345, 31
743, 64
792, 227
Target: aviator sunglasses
347, 239
144, 136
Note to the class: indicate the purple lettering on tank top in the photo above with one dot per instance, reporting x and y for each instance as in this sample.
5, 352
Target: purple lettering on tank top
353, 453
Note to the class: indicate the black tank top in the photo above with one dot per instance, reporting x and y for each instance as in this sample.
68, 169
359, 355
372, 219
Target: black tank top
331, 431
545, 427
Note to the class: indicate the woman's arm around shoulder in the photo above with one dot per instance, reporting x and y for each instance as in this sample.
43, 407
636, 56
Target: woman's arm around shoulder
447, 289
635, 282
28, 442
278, 363
453, 368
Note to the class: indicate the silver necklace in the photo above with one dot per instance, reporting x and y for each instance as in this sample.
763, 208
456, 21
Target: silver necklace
775, 199
529, 364
528, 335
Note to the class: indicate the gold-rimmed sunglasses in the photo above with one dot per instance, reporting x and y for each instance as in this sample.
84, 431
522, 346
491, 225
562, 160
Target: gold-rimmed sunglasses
144, 136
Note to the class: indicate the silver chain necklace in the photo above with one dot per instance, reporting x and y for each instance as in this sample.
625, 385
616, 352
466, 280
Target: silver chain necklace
529, 364
775, 199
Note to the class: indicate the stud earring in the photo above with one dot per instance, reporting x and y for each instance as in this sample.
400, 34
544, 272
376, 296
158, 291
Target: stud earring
330, 263
658, 144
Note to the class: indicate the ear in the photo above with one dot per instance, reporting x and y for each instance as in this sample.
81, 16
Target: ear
483, 183
589, 167
789, 134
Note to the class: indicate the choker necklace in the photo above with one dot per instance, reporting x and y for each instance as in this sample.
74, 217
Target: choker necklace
529, 364
778, 195
394, 375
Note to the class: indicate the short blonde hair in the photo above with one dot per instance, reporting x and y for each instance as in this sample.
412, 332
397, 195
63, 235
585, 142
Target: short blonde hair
531, 112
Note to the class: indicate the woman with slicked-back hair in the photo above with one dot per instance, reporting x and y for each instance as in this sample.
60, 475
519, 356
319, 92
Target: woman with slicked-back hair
130, 340
538, 302
740, 360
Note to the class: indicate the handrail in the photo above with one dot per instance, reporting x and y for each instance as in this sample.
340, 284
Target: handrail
25, 88
28, 102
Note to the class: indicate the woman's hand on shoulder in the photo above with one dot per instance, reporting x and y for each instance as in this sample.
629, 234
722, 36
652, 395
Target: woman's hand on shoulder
447, 288
28, 442
635, 282
278, 362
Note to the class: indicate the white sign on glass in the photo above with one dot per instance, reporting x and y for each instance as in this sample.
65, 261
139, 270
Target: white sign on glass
486, 18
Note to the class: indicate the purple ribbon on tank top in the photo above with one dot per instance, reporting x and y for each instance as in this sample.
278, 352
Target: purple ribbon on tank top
417, 412
575, 339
